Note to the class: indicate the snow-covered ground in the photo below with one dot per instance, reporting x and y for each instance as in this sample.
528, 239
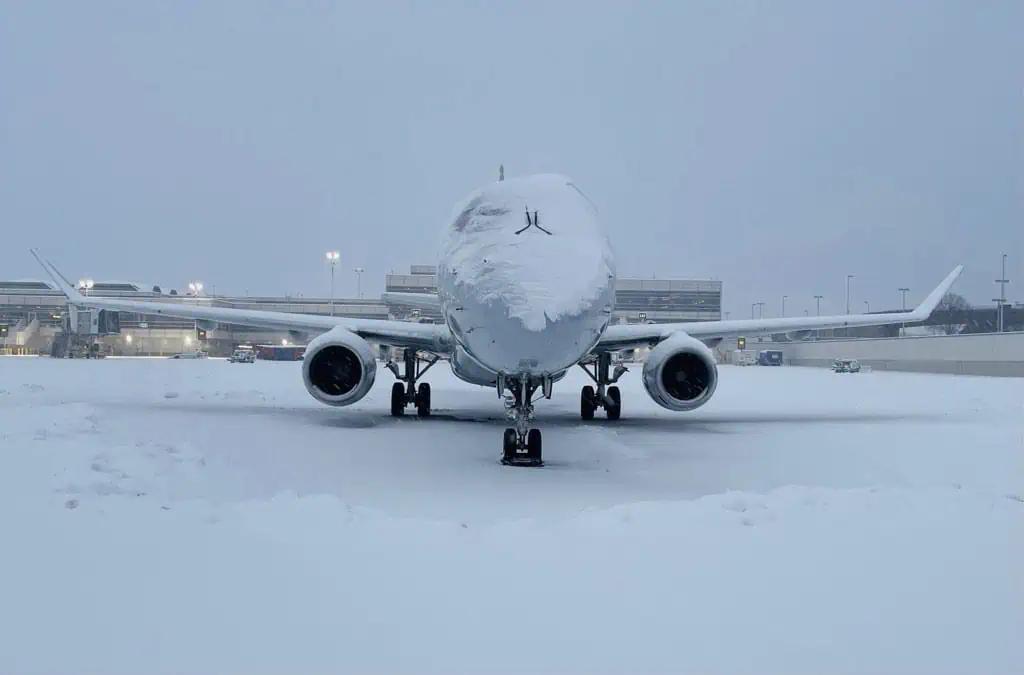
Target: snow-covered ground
199, 516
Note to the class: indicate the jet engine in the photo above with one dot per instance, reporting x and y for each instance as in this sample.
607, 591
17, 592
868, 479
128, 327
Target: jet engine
339, 367
680, 373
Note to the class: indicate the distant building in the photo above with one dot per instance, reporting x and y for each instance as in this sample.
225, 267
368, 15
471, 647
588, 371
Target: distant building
420, 279
636, 300
34, 313
667, 300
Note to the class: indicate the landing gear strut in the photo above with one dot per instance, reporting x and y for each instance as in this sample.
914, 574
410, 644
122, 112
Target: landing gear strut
405, 392
607, 397
521, 445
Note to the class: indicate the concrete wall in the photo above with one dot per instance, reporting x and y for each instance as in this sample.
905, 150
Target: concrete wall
999, 354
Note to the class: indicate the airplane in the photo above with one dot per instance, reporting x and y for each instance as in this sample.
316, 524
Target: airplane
526, 287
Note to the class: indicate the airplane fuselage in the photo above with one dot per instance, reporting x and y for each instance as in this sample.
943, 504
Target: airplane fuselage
526, 279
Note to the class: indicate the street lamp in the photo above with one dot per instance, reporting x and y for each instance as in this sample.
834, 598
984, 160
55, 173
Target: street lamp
784, 305
1002, 281
867, 305
85, 285
817, 312
359, 281
332, 258
903, 305
194, 289
903, 302
849, 277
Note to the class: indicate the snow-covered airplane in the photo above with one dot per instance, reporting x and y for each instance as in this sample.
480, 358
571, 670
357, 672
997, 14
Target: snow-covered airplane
526, 286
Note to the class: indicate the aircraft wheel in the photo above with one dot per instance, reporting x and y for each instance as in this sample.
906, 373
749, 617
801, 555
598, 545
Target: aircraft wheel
423, 400
397, 399
508, 446
533, 445
614, 411
587, 406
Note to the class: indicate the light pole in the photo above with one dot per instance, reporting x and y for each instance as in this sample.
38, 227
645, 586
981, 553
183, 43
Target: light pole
752, 306
849, 277
867, 306
903, 306
760, 310
359, 281
817, 312
332, 258
85, 285
784, 305
1002, 281
194, 287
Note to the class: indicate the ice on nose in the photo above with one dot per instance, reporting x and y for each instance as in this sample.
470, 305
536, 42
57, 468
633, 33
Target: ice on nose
553, 262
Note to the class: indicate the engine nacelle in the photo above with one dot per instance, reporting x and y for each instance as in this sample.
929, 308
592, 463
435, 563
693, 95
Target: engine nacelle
680, 373
339, 367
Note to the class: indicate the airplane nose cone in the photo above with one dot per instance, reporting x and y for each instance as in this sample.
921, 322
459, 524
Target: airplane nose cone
529, 274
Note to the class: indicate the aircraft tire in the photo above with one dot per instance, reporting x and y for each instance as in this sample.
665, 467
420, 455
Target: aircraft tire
397, 399
587, 406
534, 446
614, 411
423, 400
508, 446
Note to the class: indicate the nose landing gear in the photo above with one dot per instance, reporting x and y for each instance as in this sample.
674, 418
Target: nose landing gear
607, 397
521, 445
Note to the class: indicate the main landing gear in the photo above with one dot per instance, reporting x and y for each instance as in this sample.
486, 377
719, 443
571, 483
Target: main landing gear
406, 392
607, 397
521, 445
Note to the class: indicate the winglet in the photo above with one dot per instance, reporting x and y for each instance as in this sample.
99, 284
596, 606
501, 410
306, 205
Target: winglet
928, 305
63, 284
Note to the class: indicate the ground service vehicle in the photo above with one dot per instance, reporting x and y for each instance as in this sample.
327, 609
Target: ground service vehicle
242, 356
846, 366
197, 354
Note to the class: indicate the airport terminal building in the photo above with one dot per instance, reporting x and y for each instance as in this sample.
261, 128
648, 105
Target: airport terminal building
34, 317
636, 300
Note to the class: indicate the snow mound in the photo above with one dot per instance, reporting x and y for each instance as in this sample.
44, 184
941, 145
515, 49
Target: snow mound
43, 422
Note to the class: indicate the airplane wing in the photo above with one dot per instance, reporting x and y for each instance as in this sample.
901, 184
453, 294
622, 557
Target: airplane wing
638, 335
428, 337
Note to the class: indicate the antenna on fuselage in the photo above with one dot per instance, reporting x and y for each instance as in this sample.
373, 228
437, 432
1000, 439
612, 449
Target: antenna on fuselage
501, 172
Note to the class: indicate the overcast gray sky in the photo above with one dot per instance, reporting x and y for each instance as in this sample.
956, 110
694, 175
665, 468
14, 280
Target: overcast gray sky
776, 146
